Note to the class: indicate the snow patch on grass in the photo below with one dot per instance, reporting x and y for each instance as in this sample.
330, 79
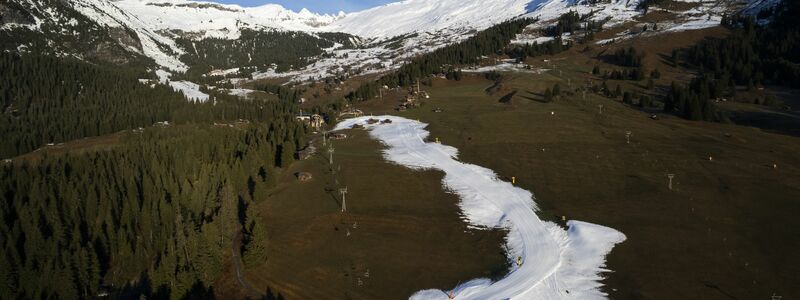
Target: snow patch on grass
189, 89
556, 263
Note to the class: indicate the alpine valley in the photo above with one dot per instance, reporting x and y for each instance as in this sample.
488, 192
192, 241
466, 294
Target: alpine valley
422, 149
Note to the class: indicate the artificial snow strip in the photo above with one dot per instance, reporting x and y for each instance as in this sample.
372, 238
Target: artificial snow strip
547, 261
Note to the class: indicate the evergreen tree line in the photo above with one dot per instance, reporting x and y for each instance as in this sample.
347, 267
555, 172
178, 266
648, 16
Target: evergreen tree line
552, 94
155, 216
288, 94
628, 57
567, 22
493, 40
572, 21
754, 54
695, 101
262, 49
645, 4
627, 96
636, 74
522, 52
44, 99
453, 74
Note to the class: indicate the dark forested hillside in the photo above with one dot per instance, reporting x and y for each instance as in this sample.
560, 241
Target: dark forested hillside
155, 216
751, 55
260, 49
48, 100
755, 54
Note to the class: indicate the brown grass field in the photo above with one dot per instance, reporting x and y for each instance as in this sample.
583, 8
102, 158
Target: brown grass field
405, 231
724, 230
727, 230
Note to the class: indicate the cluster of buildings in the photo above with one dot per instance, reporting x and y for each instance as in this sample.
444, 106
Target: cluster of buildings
412, 99
315, 121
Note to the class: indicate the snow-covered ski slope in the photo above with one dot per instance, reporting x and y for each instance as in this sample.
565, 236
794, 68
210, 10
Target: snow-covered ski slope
556, 263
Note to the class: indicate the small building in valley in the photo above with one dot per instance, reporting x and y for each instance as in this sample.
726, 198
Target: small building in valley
351, 113
313, 120
337, 136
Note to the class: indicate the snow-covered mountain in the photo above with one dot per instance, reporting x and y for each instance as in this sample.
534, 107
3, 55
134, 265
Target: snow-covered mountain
419, 26
428, 16
388, 35
212, 20
156, 46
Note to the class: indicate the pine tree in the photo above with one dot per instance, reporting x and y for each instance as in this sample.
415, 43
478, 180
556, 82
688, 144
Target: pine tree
695, 111
548, 95
254, 252
708, 110
286, 154
655, 74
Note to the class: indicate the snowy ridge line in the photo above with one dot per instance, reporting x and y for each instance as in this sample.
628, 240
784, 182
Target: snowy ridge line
409, 16
217, 20
433, 23
556, 263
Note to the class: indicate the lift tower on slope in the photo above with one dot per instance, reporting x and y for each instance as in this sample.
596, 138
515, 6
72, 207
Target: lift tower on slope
343, 191
330, 155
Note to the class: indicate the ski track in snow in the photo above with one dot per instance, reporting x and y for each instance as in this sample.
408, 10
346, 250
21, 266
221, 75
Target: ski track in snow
557, 263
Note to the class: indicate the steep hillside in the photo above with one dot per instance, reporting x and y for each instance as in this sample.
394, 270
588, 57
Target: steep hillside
57, 28
93, 30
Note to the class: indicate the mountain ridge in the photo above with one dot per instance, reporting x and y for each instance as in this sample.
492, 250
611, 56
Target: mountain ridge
411, 26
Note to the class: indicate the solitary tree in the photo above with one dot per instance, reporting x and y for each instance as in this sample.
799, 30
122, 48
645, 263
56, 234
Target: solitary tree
548, 95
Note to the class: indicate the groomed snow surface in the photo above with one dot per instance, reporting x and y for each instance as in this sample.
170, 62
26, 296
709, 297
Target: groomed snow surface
557, 263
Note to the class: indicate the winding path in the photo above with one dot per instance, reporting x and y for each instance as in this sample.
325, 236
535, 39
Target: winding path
237, 262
